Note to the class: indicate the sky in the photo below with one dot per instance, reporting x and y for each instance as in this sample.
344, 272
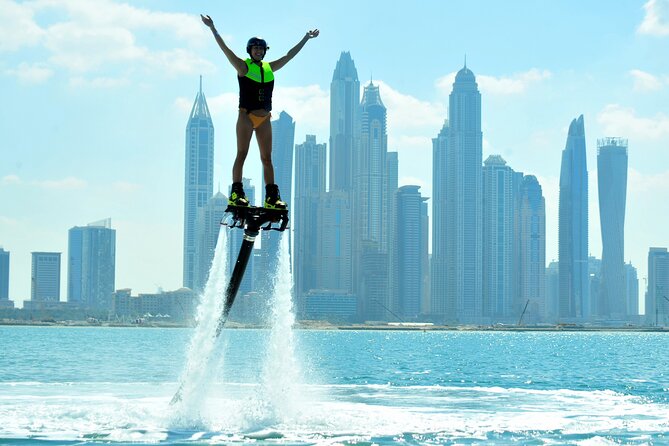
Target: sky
95, 97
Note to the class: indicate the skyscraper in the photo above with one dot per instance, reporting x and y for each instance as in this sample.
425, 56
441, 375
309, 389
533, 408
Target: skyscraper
335, 244
657, 294
632, 292
199, 178
310, 176
4, 278
344, 112
208, 226
461, 300
573, 226
438, 268
370, 204
532, 249
45, 277
612, 186
91, 265
499, 303
411, 246
283, 145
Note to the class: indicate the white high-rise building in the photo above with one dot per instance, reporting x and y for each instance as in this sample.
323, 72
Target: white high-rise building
198, 179
457, 293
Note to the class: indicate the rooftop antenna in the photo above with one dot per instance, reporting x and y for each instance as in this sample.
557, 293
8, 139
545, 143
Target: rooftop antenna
200, 84
465, 60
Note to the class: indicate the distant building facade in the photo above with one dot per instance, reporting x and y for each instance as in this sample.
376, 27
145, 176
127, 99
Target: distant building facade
460, 299
45, 277
632, 293
207, 229
499, 256
91, 265
4, 280
573, 227
344, 122
166, 306
310, 177
612, 187
411, 247
198, 179
370, 209
532, 249
657, 294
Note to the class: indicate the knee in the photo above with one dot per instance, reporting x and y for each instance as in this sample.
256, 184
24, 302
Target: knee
266, 159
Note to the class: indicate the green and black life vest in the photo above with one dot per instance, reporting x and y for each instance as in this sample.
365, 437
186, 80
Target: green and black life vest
255, 89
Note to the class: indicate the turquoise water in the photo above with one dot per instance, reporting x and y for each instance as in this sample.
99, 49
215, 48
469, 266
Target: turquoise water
97, 385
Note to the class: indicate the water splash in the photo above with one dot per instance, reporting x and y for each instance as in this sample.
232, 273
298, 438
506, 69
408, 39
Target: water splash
202, 357
281, 371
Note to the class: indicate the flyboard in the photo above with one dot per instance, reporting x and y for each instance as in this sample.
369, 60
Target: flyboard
252, 220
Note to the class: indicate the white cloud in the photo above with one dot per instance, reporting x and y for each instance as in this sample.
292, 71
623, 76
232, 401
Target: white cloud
621, 121
644, 81
17, 27
309, 106
109, 14
11, 179
656, 20
31, 73
516, 84
409, 116
64, 184
93, 35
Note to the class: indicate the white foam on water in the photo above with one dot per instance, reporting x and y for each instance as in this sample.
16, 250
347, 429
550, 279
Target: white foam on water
353, 413
278, 399
202, 358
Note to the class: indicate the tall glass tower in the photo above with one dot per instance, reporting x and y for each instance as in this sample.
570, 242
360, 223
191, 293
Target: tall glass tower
612, 187
310, 162
4, 278
532, 249
462, 298
198, 179
411, 247
439, 205
573, 227
498, 254
370, 204
91, 265
344, 111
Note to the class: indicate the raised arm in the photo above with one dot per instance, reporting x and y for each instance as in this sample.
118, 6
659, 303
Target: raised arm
238, 64
279, 63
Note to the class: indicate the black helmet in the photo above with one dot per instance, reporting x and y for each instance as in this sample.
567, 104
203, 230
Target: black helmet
256, 41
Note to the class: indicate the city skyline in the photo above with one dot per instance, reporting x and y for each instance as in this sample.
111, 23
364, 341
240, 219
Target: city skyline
528, 99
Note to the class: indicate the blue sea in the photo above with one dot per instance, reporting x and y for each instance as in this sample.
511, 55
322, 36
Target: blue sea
63, 385
279, 385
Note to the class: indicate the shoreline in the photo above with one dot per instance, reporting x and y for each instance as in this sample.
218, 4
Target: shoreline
348, 327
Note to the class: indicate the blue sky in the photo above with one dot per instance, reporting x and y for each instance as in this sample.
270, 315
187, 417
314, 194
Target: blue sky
95, 96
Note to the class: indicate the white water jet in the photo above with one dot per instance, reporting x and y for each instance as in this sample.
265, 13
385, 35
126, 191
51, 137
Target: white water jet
199, 373
281, 371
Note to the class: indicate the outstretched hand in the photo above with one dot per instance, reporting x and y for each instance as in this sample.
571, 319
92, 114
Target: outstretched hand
207, 20
313, 33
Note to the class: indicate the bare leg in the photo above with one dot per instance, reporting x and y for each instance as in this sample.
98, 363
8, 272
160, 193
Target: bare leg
244, 133
264, 138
